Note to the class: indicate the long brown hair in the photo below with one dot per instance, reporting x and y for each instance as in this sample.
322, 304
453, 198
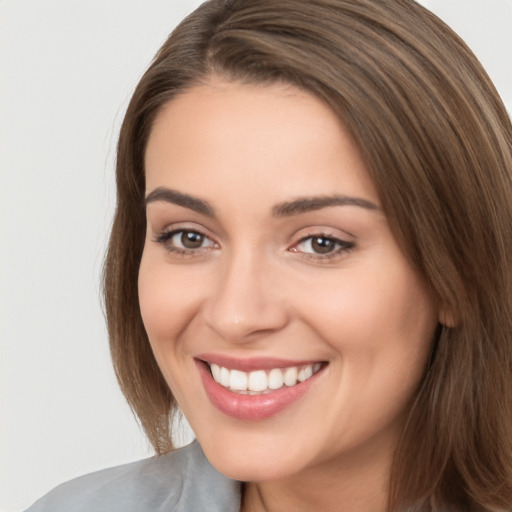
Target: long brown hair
437, 142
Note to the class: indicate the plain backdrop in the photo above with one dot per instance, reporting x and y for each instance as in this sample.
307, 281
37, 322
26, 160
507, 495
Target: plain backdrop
67, 69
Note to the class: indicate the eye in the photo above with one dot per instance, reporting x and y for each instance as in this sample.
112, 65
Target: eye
184, 241
322, 246
188, 239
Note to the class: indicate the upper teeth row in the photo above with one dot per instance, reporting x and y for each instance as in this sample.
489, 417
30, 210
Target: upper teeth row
261, 380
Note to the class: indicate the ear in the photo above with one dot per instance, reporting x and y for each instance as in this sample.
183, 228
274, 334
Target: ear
447, 316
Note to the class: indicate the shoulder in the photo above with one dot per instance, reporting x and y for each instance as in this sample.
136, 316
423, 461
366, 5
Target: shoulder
180, 481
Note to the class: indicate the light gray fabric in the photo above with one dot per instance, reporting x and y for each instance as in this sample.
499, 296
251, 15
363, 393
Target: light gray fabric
182, 481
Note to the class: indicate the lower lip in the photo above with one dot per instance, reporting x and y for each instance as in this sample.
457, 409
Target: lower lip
252, 407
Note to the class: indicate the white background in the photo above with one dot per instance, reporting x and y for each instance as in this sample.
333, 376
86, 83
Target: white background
67, 69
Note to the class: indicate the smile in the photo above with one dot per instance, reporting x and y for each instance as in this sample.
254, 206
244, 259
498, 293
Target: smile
253, 390
262, 381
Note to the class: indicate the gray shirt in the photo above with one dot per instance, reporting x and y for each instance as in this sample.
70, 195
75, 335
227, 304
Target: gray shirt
182, 481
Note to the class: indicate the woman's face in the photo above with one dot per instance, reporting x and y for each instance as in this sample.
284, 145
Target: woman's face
269, 263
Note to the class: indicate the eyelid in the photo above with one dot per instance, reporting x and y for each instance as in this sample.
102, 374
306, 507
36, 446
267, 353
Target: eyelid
343, 246
169, 235
164, 237
160, 228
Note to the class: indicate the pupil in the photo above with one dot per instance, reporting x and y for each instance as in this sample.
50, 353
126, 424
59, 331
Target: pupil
191, 240
322, 245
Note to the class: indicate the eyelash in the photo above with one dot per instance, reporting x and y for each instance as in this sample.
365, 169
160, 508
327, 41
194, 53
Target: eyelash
165, 239
341, 246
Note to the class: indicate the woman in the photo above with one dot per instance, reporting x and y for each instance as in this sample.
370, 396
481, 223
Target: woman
311, 259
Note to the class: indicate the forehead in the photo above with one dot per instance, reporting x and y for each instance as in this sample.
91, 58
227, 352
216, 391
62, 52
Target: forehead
253, 140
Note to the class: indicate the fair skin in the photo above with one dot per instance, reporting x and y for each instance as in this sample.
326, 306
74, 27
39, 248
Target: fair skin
234, 274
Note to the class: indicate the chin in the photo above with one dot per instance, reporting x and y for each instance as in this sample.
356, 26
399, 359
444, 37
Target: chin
246, 470
258, 462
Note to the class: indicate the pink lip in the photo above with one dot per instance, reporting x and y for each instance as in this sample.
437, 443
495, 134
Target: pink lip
252, 407
253, 363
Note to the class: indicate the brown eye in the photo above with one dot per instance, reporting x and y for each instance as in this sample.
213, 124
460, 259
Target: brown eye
184, 241
191, 239
322, 245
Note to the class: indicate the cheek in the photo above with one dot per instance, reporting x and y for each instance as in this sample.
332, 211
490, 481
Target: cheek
379, 331
168, 300
379, 325
381, 302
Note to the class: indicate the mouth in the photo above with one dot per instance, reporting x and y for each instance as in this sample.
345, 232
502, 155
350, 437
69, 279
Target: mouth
262, 381
256, 389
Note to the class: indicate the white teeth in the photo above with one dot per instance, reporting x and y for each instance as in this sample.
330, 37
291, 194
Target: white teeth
238, 380
262, 381
257, 381
275, 379
215, 371
305, 373
224, 377
290, 376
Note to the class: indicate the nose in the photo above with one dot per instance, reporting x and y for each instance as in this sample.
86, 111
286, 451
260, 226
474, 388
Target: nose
246, 300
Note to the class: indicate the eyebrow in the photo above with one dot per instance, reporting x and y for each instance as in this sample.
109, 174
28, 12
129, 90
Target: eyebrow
173, 196
309, 204
286, 209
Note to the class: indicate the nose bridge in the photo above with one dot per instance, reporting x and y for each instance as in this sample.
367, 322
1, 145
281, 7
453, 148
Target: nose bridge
244, 301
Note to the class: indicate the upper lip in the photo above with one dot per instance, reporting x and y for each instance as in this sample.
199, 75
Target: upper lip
253, 363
